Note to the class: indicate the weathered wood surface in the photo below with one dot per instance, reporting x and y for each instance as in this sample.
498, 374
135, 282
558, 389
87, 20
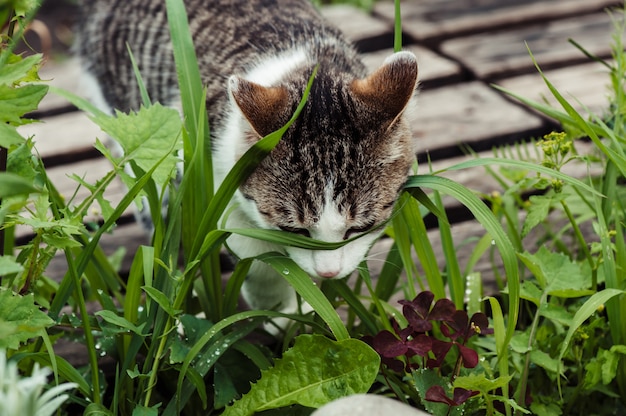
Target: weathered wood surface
461, 47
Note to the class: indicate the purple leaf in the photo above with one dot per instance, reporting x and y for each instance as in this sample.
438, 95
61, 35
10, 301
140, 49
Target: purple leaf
470, 357
461, 395
442, 311
388, 345
437, 394
420, 345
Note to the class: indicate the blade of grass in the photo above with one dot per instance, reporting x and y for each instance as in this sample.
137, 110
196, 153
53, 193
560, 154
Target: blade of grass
486, 218
309, 291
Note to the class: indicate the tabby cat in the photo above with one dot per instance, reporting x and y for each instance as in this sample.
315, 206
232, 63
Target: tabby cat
337, 171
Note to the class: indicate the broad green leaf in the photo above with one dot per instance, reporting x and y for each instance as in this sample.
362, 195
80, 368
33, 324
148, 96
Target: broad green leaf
20, 319
147, 137
543, 359
15, 102
481, 383
9, 136
8, 265
315, 371
557, 274
545, 409
18, 69
11, 185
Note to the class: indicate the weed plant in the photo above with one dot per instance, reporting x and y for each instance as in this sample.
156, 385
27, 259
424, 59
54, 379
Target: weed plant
549, 342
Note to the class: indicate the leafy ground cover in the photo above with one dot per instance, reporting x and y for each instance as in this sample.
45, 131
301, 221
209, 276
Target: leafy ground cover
549, 342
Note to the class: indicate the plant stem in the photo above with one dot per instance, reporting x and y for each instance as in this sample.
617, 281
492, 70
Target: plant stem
531, 337
89, 340
157, 361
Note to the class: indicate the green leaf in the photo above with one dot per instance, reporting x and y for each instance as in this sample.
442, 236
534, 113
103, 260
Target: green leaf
20, 319
557, 274
146, 411
585, 311
8, 265
309, 291
147, 136
15, 102
160, 298
12, 184
18, 69
315, 371
481, 383
537, 212
9, 136
543, 360
96, 409
112, 318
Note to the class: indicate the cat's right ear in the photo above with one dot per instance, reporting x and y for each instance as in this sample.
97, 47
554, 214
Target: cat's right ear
263, 107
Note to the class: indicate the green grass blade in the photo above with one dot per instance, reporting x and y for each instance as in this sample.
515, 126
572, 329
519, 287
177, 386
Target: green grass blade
186, 66
309, 291
485, 217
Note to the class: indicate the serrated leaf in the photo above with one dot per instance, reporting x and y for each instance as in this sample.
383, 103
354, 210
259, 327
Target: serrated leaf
20, 319
146, 137
557, 274
18, 69
537, 212
315, 371
15, 102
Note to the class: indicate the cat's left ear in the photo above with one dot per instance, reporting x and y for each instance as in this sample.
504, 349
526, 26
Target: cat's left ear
263, 107
388, 90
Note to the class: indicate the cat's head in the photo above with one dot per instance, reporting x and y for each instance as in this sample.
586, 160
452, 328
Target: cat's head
339, 168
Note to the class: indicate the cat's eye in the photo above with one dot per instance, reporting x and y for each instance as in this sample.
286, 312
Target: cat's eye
299, 231
357, 230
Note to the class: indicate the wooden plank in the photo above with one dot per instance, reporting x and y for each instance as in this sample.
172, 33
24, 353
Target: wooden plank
431, 21
499, 54
434, 69
468, 114
367, 32
584, 86
64, 138
62, 73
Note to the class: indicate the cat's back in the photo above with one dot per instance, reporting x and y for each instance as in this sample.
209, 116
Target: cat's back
230, 36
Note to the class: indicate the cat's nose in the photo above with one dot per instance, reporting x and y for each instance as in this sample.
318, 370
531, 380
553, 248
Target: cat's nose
327, 274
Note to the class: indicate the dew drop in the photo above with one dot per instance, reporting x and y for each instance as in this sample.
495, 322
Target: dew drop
286, 271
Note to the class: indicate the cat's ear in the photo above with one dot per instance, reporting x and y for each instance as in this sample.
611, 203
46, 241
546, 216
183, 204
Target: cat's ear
263, 107
388, 90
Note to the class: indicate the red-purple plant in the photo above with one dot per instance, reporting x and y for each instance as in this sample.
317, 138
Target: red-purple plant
418, 339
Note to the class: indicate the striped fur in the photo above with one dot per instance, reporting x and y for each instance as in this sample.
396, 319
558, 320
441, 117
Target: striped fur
337, 171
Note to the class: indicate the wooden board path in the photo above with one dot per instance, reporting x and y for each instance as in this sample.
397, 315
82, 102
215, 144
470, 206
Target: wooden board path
461, 46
